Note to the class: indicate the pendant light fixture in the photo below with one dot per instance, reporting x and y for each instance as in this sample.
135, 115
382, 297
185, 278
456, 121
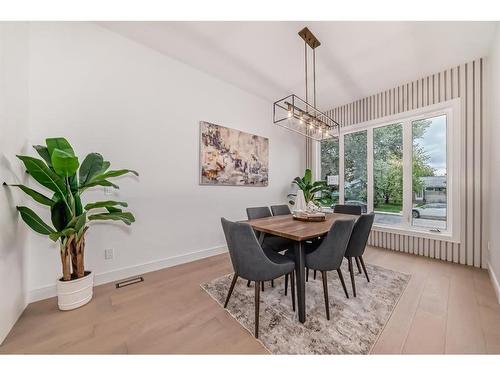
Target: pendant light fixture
299, 115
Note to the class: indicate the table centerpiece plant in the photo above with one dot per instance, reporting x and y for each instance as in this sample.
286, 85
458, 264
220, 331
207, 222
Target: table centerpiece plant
316, 192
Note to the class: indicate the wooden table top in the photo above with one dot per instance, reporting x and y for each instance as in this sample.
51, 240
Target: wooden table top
286, 226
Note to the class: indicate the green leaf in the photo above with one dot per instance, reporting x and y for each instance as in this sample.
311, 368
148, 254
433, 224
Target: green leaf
34, 221
64, 233
99, 183
307, 176
319, 183
80, 222
78, 205
91, 165
64, 163
73, 183
116, 173
38, 197
103, 204
58, 144
126, 217
45, 176
105, 166
318, 189
44, 153
298, 181
113, 209
60, 215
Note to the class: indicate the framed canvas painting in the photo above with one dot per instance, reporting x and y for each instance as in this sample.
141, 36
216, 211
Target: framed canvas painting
232, 157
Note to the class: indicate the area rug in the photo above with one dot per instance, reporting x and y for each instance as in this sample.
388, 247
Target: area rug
355, 323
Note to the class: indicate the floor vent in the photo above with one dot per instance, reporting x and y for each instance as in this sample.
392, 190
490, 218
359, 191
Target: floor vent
127, 282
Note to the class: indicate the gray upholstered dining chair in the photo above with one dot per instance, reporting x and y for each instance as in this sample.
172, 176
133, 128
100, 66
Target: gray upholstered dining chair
270, 242
328, 255
357, 245
347, 209
281, 209
251, 263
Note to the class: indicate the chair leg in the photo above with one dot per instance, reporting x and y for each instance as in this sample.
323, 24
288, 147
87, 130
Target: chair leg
307, 274
325, 291
248, 284
357, 264
364, 268
262, 284
351, 271
314, 274
341, 277
286, 284
272, 283
257, 303
292, 287
233, 282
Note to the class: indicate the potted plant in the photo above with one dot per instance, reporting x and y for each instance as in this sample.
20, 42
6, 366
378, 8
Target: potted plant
311, 189
60, 171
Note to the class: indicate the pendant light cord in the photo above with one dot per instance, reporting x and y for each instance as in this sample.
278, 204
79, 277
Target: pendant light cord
314, 77
308, 151
305, 60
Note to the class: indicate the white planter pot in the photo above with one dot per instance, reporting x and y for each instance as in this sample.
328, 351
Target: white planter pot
75, 293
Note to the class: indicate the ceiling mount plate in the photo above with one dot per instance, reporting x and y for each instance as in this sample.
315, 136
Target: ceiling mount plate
309, 38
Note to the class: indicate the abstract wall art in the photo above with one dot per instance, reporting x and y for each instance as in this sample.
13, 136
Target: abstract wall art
232, 157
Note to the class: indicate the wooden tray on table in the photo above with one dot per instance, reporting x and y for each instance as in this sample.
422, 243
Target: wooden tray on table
310, 218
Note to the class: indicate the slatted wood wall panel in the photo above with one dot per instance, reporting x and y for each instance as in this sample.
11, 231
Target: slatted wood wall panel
465, 81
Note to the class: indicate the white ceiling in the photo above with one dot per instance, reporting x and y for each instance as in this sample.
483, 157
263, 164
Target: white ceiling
356, 59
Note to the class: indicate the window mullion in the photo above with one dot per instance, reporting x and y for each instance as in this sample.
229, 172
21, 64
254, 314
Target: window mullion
407, 173
369, 171
341, 168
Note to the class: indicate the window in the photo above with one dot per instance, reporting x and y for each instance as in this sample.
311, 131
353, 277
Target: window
330, 169
405, 168
355, 169
429, 204
388, 174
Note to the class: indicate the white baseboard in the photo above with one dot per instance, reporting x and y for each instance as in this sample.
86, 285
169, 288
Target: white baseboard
122, 273
494, 281
7, 324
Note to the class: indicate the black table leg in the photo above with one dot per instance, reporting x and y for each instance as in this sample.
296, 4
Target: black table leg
261, 238
301, 280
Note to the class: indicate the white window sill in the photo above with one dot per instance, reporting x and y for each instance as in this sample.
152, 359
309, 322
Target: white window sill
422, 233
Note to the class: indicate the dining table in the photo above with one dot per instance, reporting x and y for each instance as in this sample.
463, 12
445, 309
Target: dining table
299, 232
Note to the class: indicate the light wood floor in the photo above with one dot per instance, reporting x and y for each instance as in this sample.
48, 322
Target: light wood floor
446, 308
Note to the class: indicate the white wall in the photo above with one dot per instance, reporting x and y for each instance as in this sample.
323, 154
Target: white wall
494, 160
141, 110
13, 140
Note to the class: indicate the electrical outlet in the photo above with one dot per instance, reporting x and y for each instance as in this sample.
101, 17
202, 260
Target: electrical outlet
108, 254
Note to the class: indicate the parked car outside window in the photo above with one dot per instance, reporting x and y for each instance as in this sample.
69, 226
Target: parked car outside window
431, 210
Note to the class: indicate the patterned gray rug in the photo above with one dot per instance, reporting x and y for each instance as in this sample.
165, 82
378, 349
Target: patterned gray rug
355, 323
